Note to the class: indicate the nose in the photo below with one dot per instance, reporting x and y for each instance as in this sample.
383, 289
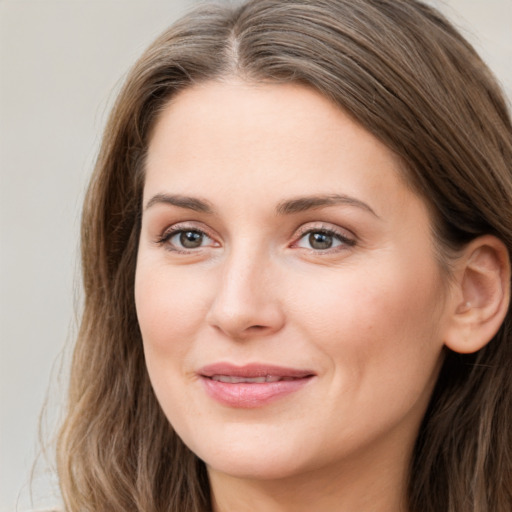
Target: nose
246, 302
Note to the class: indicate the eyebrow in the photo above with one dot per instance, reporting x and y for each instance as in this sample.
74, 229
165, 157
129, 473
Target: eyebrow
301, 204
190, 203
290, 206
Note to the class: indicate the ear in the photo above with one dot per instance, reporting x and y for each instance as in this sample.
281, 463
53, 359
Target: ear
481, 295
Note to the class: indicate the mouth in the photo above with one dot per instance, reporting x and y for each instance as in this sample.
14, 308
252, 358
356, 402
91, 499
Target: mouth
249, 380
251, 386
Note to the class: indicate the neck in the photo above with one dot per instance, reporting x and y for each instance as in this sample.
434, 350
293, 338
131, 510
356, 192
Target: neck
367, 483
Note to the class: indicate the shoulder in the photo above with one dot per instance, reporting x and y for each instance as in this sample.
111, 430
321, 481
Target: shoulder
47, 510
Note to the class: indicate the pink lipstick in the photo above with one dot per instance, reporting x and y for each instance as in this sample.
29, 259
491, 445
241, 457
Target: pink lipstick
252, 385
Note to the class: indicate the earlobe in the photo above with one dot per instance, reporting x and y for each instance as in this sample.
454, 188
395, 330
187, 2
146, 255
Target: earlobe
482, 295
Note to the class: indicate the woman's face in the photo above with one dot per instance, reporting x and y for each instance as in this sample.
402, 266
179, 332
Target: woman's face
287, 289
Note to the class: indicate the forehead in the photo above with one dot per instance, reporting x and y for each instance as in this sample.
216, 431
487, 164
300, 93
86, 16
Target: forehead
266, 140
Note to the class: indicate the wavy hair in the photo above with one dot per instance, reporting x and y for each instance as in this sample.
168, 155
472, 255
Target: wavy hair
406, 75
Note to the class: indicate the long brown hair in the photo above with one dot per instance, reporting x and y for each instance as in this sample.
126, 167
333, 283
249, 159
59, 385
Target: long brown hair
406, 75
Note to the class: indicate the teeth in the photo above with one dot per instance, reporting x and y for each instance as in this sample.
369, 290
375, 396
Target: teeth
249, 380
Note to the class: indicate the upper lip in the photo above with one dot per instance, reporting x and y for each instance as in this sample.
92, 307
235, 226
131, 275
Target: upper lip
253, 370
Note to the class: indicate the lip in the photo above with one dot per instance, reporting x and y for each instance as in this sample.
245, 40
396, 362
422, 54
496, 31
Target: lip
248, 395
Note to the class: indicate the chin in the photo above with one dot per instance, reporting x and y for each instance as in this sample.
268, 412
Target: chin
261, 466
250, 457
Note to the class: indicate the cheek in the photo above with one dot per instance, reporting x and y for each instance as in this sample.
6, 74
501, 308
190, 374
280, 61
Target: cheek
170, 308
385, 316
380, 334
170, 313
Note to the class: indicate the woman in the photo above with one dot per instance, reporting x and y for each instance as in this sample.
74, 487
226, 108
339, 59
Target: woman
296, 269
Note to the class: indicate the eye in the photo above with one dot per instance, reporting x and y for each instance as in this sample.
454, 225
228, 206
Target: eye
188, 239
323, 240
183, 239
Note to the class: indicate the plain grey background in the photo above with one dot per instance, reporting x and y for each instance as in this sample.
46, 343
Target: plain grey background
61, 62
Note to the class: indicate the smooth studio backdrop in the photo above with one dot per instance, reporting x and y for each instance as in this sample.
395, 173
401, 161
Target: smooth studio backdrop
61, 62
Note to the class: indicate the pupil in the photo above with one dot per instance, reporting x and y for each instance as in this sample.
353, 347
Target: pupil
320, 241
191, 239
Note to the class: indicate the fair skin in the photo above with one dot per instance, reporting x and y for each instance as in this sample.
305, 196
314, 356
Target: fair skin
343, 286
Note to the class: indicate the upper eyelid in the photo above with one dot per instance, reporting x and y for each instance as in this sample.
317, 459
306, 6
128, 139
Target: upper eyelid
173, 232
187, 226
321, 226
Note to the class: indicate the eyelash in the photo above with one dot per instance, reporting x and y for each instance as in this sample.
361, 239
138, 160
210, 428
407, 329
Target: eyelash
343, 239
164, 239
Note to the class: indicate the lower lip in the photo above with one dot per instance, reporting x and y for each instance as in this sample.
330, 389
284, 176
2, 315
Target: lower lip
251, 395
